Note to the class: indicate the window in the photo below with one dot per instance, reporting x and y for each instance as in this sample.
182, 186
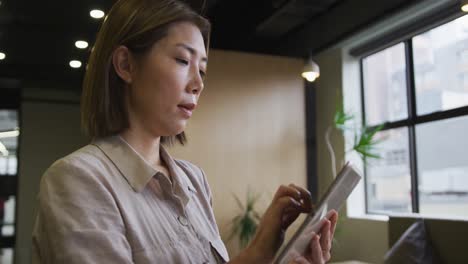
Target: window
9, 133
418, 89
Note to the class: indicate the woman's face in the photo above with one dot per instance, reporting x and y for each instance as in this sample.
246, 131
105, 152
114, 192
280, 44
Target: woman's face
167, 82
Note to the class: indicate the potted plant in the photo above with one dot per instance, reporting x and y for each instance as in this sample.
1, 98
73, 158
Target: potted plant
244, 225
364, 142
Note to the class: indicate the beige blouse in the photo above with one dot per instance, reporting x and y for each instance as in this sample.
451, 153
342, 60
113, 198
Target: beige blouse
105, 204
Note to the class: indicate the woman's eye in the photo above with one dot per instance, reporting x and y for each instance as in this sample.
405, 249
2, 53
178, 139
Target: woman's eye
182, 61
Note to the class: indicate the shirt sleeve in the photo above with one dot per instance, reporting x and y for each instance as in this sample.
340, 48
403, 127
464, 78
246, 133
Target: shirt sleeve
78, 220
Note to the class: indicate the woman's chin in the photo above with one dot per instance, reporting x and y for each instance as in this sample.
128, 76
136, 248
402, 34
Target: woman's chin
176, 130
172, 129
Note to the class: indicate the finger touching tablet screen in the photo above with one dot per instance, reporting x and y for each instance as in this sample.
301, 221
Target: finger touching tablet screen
334, 198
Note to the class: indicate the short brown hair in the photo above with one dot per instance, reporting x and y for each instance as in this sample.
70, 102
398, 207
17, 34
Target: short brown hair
136, 24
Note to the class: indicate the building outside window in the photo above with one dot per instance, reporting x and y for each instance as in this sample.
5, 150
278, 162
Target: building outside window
418, 89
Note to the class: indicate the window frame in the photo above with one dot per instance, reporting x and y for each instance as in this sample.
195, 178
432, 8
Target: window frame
11, 100
413, 118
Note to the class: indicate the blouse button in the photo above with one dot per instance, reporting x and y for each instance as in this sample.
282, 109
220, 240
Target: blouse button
182, 220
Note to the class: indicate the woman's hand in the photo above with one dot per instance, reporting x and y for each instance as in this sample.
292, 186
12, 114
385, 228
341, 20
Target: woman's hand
288, 203
320, 245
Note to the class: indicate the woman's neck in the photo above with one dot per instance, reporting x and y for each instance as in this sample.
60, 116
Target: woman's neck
145, 144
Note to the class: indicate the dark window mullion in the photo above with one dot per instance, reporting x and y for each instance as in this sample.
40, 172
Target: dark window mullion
441, 115
363, 111
421, 119
392, 125
412, 114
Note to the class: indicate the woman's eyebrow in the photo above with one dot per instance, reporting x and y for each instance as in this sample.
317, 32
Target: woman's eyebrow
191, 50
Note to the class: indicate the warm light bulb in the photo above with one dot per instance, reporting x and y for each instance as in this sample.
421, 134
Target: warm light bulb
464, 8
81, 44
310, 76
75, 64
2, 56
96, 13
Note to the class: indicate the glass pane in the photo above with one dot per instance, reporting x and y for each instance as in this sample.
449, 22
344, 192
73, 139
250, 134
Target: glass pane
441, 67
443, 167
6, 256
7, 215
8, 142
8, 166
388, 178
3, 163
8, 120
385, 86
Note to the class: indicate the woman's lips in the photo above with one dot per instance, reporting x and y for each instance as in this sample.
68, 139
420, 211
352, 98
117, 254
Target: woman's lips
187, 113
187, 109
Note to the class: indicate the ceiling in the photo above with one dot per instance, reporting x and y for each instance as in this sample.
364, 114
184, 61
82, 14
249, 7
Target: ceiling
38, 36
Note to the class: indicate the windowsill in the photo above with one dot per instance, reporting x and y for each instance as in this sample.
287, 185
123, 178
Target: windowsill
432, 217
385, 218
380, 218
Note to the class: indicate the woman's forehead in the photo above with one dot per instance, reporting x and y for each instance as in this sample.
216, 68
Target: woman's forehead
187, 36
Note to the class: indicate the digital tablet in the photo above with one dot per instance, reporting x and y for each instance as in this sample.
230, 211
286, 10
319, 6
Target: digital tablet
336, 195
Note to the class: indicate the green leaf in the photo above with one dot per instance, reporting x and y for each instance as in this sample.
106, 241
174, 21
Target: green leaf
239, 203
236, 219
235, 229
245, 224
251, 200
341, 117
365, 144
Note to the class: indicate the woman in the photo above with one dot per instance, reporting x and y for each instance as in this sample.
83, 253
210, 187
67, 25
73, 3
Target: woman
123, 198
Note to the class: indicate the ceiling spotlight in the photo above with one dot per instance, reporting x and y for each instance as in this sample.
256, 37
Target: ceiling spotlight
464, 5
75, 64
311, 70
2, 56
96, 13
81, 44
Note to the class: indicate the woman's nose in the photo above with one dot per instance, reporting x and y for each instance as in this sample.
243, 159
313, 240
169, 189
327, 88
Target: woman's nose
196, 85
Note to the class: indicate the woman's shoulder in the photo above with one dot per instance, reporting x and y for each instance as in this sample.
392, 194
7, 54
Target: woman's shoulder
85, 161
88, 155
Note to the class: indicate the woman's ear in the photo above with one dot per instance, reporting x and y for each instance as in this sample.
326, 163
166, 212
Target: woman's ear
123, 63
